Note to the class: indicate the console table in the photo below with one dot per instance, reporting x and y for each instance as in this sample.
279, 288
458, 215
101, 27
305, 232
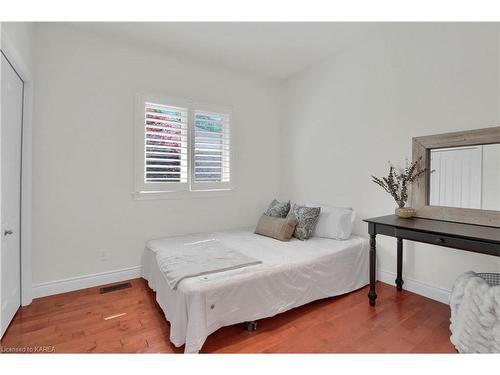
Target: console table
475, 238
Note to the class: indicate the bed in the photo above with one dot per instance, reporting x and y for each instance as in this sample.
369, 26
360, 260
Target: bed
291, 274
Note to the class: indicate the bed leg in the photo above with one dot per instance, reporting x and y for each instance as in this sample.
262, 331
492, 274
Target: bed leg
251, 326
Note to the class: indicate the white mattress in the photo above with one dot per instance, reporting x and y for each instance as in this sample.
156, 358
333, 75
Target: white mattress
291, 274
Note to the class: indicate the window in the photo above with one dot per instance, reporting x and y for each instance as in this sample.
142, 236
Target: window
181, 146
211, 150
166, 141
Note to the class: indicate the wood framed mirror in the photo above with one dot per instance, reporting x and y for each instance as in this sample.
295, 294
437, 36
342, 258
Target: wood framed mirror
462, 181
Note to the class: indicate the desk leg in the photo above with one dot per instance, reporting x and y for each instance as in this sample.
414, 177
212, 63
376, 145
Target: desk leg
399, 278
373, 258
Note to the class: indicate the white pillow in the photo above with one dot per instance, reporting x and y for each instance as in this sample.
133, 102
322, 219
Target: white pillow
334, 222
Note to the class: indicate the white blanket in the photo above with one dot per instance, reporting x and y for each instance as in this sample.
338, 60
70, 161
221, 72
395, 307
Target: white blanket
475, 315
178, 262
291, 274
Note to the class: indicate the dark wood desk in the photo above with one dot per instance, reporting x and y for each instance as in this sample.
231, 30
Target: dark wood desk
475, 238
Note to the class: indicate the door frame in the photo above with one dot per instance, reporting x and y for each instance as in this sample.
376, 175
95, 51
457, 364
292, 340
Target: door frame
12, 54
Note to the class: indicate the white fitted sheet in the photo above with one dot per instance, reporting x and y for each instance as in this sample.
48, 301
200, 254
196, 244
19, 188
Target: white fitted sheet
291, 274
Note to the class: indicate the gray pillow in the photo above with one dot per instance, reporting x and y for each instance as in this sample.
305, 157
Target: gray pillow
307, 218
278, 209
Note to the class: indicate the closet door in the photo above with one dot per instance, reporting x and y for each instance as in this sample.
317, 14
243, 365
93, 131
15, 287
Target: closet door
11, 138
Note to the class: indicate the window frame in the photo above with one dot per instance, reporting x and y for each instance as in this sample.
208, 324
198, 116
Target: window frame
173, 190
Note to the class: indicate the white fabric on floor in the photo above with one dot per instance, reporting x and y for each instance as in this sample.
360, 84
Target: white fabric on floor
291, 274
475, 315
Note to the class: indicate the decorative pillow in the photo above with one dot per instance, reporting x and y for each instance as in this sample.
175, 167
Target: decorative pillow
276, 227
307, 218
334, 222
278, 209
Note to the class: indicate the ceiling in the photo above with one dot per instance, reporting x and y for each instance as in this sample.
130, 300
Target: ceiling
275, 50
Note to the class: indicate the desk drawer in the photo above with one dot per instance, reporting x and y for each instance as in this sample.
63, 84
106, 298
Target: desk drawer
449, 241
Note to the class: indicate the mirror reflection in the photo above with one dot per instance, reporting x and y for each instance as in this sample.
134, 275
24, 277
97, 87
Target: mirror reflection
465, 177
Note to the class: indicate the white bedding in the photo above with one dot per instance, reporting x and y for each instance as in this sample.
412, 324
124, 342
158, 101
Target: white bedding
180, 262
291, 274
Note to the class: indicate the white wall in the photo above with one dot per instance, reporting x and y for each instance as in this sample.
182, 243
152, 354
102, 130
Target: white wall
21, 36
83, 151
345, 118
328, 129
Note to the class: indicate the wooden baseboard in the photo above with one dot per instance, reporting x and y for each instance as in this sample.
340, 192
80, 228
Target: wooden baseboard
85, 281
424, 289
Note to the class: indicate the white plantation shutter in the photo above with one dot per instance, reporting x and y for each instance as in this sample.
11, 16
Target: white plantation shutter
166, 142
180, 146
211, 150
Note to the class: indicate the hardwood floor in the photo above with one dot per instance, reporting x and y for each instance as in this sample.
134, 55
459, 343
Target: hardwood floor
130, 321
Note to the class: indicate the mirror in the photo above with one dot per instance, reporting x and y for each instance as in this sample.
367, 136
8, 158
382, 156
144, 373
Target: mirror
465, 177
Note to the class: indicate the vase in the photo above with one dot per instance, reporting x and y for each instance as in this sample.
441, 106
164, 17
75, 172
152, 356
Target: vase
405, 212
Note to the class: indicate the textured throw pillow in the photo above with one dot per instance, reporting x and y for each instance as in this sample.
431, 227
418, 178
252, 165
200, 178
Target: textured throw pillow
276, 227
334, 222
278, 209
307, 218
